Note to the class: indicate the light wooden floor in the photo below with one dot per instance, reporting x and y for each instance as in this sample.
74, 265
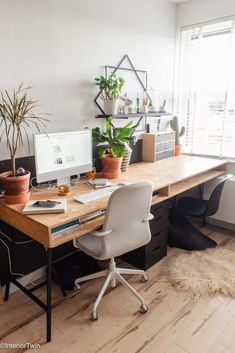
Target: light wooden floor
173, 324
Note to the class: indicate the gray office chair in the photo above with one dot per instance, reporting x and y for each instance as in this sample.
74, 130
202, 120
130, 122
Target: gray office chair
125, 228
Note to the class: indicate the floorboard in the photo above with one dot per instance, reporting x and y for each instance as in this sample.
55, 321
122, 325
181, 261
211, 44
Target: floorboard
173, 324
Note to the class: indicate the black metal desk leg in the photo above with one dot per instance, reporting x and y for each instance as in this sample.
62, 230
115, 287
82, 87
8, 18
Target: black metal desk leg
201, 191
49, 279
7, 288
10, 266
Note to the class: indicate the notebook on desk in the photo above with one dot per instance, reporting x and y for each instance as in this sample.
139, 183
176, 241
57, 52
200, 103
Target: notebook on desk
30, 208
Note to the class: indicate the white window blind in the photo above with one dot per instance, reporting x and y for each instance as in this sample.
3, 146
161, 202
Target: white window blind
205, 91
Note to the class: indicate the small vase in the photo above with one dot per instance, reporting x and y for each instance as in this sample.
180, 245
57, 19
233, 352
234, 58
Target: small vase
111, 106
126, 158
111, 166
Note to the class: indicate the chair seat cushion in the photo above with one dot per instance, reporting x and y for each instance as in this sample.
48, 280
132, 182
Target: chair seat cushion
90, 244
192, 206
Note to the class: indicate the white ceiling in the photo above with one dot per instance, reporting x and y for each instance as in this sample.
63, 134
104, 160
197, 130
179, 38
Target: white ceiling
178, 1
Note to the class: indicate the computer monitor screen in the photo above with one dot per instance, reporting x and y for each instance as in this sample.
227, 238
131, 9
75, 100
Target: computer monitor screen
60, 155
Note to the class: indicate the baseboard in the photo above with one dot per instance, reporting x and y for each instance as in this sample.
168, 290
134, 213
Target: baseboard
222, 224
30, 278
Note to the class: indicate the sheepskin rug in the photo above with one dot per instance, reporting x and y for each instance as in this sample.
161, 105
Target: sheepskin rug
203, 274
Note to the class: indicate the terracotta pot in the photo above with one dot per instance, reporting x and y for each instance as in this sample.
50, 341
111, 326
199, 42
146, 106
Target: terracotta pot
111, 166
16, 188
177, 150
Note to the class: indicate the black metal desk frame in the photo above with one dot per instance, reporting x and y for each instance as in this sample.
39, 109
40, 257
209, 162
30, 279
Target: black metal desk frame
29, 292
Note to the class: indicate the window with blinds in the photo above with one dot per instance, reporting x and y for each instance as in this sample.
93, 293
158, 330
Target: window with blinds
205, 89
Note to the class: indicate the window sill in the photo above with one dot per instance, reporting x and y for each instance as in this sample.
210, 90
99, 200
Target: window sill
229, 159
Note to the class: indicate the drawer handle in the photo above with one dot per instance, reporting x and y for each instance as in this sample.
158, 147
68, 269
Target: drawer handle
156, 234
157, 248
158, 208
157, 219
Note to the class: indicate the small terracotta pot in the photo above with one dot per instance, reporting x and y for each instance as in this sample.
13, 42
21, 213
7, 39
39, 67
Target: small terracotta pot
111, 166
177, 150
14, 199
16, 187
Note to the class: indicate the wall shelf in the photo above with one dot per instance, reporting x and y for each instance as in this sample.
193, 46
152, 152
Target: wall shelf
133, 115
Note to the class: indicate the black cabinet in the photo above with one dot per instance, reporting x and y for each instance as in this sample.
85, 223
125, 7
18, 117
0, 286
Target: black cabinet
156, 249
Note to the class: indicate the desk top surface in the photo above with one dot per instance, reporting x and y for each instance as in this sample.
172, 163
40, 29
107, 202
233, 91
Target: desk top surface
163, 173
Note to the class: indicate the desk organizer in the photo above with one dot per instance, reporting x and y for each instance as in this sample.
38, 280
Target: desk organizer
159, 145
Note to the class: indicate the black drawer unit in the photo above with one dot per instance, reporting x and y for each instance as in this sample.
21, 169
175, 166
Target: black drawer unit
156, 249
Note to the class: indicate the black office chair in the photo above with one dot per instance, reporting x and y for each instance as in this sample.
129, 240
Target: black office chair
198, 208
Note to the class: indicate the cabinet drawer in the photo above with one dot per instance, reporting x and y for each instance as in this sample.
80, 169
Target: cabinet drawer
161, 137
160, 220
158, 224
164, 154
160, 210
157, 239
169, 145
155, 254
160, 155
160, 147
171, 136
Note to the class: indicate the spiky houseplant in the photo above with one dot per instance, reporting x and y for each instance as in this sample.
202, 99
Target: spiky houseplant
16, 120
174, 123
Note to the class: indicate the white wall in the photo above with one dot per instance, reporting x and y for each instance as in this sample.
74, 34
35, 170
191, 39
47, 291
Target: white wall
195, 11
59, 46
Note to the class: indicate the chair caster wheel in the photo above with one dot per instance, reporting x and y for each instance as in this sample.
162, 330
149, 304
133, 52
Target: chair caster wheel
143, 308
76, 288
144, 278
94, 317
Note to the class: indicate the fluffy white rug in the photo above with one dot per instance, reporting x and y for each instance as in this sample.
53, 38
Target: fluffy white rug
203, 274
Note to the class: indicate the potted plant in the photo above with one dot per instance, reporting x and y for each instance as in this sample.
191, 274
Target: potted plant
110, 88
114, 139
16, 119
178, 133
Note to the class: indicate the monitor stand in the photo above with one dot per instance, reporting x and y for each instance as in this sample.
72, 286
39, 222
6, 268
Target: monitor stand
67, 181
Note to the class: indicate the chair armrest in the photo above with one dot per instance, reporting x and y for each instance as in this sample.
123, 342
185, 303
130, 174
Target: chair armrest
100, 233
150, 216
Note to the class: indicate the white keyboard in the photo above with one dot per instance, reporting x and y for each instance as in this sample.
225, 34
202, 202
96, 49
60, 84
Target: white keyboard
97, 194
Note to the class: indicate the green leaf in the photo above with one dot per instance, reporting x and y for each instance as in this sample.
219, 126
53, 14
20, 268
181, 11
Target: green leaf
101, 152
117, 150
109, 128
17, 118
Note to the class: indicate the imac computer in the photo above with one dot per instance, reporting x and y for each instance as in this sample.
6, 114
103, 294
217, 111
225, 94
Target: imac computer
61, 155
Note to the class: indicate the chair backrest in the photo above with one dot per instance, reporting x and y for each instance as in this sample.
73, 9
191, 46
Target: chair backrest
127, 209
214, 200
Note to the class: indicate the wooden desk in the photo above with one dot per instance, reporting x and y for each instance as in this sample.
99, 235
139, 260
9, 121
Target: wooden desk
1, 298
170, 177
